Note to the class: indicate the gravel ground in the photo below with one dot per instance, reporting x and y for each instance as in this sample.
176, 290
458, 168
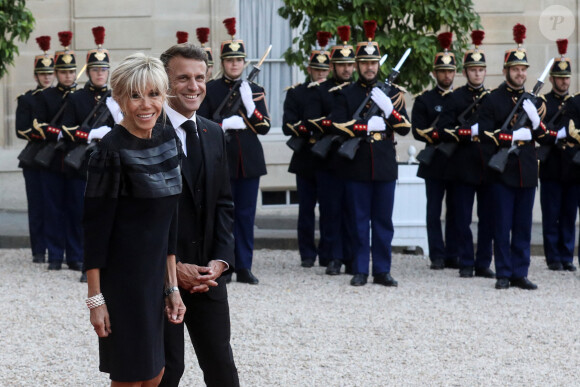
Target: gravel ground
299, 327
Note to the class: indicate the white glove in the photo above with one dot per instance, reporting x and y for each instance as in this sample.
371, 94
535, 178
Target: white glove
382, 101
474, 130
532, 113
247, 98
376, 124
115, 109
522, 134
59, 136
233, 122
561, 133
98, 133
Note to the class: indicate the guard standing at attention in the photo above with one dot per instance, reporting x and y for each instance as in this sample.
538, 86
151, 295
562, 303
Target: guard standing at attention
334, 248
304, 163
44, 76
371, 174
245, 153
87, 119
558, 197
425, 119
61, 234
514, 183
469, 158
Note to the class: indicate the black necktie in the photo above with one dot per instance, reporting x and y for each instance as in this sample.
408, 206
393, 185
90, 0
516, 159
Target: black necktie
193, 145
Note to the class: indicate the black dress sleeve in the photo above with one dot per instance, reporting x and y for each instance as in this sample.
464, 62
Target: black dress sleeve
100, 205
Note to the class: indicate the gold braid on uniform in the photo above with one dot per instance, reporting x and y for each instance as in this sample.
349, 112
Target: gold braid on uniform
451, 132
291, 127
68, 131
38, 127
425, 134
315, 123
573, 132
492, 136
344, 127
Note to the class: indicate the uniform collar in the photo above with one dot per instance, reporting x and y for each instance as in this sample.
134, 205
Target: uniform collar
512, 90
66, 89
474, 89
89, 86
366, 85
442, 91
558, 96
228, 80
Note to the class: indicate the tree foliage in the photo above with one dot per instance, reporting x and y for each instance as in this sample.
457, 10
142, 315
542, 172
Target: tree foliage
16, 23
400, 24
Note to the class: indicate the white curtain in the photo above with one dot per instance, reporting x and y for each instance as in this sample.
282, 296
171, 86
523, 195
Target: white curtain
259, 26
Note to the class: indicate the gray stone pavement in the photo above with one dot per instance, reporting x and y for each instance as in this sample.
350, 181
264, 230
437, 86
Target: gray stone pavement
276, 232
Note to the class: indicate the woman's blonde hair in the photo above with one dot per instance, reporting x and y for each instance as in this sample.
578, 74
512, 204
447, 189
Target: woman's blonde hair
135, 74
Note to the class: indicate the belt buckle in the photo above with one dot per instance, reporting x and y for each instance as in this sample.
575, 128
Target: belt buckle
377, 136
312, 140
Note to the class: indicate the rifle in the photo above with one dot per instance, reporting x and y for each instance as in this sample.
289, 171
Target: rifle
46, 154
296, 143
75, 158
543, 151
233, 100
427, 154
499, 160
448, 148
349, 147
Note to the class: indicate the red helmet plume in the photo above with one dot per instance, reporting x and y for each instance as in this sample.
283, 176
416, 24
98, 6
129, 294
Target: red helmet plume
344, 33
230, 24
65, 38
444, 39
43, 42
181, 36
202, 35
519, 33
477, 37
323, 37
99, 34
562, 46
370, 26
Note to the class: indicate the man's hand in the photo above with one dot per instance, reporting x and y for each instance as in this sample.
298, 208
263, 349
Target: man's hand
561, 133
382, 100
233, 122
376, 124
522, 134
193, 278
217, 268
532, 113
247, 98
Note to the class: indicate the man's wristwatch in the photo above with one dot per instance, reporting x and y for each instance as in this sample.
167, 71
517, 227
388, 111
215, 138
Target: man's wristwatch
170, 290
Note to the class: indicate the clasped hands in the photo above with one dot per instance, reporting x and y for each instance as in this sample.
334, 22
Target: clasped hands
198, 279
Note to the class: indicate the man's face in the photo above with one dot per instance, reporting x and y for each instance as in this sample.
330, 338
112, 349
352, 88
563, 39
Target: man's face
368, 70
44, 79
444, 78
66, 77
560, 84
99, 76
516, 76
186, 84
233, 67
343, 71
475, 75
318, 75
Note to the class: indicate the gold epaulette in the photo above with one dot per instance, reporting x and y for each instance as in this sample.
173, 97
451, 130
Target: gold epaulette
419, 94
578, 93
567, 97
446, 92
339, 87
543, 97
313, 84
291, 87
401, 88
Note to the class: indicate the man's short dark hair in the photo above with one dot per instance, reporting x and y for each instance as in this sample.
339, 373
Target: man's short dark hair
185, 50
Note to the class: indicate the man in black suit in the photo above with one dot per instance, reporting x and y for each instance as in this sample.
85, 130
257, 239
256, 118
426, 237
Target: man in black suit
205, 246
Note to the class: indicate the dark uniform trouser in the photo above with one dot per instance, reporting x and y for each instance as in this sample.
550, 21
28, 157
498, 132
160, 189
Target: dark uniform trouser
63, 216
464, 198
336, 230
208, 324
307, 196
436, 189
512, 217
245, 195
372, 202
559, 203
35, 200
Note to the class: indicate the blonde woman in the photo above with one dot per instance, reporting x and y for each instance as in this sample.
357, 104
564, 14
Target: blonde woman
133, 185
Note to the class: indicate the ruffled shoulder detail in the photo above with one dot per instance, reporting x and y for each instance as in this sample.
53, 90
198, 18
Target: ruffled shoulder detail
104, 174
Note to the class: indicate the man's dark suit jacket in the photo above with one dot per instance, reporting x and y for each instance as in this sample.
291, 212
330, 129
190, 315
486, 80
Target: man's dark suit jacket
218, 207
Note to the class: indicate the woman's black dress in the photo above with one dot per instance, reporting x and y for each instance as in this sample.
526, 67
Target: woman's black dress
129, 224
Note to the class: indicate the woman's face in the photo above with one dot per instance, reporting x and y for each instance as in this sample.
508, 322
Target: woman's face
233, 67
141, 111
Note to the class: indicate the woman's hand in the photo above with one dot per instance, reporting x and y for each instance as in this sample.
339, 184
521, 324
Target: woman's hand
100, 320
174, 308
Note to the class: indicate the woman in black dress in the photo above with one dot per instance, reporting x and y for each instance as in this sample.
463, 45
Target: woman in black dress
131, 198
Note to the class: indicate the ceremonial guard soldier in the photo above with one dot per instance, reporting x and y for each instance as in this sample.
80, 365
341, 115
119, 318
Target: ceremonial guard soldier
44, 75
203, 37
245, 154
425, 119
334, 248
369, 113
469, 158
61, 231
304, 162
510, 119
87, 119
558, 197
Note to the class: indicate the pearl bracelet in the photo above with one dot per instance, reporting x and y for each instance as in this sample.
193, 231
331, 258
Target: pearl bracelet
95, 301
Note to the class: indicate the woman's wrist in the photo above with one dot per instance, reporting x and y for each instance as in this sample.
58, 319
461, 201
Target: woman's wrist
170, 290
